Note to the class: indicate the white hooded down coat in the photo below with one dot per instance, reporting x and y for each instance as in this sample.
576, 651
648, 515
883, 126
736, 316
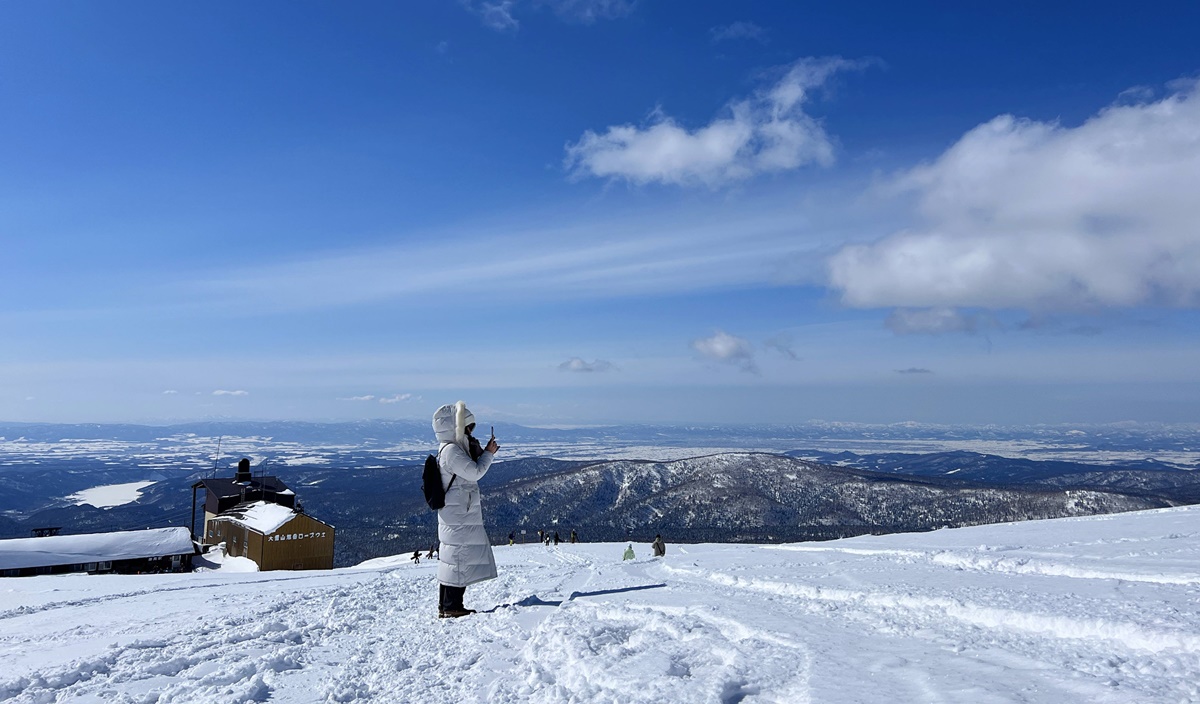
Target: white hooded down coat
465, 554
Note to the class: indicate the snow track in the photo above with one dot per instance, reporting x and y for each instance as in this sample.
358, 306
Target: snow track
1107, 614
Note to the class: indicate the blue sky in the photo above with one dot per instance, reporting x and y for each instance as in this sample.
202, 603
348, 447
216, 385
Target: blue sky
587, 211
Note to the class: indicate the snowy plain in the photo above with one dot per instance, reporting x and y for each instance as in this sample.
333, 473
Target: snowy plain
1098, 609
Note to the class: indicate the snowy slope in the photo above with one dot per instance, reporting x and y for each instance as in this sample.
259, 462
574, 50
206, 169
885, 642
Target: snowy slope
1098, 609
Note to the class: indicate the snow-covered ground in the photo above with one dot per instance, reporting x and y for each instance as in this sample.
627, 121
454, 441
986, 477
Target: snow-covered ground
1100, 609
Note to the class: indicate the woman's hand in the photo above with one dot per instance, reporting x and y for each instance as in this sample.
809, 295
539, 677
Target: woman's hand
492, 446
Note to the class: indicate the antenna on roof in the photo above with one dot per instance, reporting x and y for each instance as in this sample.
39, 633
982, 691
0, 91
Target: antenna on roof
218, 457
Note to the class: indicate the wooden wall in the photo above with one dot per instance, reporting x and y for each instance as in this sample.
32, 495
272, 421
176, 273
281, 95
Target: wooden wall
303, 543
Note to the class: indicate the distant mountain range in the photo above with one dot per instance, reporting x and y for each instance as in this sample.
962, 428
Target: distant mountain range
364, 479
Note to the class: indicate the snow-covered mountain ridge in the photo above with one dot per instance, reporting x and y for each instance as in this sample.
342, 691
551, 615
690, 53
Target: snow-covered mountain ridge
1098, 609
765, 497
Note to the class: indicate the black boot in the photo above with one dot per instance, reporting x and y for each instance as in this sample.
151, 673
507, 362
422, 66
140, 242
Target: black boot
450, 604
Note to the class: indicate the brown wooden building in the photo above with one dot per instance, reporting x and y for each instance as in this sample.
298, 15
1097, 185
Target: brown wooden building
259, 518
276, 537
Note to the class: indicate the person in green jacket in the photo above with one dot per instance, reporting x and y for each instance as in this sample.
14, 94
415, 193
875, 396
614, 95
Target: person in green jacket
628, 552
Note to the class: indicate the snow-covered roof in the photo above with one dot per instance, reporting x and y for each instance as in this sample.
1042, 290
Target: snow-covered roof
20, 553
261, 516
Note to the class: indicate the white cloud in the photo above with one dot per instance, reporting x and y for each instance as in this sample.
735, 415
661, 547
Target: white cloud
500, 14
1034, 215
914, 370
575, 364
730, 349
588, 11
767, 132
497, 15
368, 397
170, 392
223, 392
677, 251
934, 321
738, 30
395, 399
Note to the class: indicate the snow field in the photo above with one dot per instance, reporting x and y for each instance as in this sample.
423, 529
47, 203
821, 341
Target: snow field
1089, 610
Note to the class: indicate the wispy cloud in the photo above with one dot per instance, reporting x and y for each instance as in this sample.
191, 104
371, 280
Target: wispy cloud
396, 399
738, 30
605, 259
224, 392
500, 15
170, 392
767, 132
576, 364
784, 345
935, 321
589, 11
368, 397
728, 349
496, 15
914, 370
1032, 215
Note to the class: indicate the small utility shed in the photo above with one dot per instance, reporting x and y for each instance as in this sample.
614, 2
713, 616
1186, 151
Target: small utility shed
126, 552
277, 537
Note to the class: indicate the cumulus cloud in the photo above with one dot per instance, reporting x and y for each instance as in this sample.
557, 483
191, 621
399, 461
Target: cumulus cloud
914, 370
395, 399
729, 349
934, 321
1032, 215
368, 397
575, 364
738, 30
767, 132
170, 392
223, 392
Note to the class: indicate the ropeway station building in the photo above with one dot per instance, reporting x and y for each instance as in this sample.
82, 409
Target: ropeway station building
259, 518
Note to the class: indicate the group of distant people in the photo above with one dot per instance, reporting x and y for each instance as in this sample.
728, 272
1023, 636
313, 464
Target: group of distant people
546, 537
463, 550
658, 546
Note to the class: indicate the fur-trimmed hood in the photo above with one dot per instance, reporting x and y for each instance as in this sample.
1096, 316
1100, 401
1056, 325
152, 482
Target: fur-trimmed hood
450, 424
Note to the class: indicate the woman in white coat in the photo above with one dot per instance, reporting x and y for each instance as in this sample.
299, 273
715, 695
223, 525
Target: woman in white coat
465, 556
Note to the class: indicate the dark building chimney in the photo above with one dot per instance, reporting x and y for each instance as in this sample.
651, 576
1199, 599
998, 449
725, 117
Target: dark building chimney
243, 473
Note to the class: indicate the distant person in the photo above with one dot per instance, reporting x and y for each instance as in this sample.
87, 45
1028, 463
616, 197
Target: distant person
628, 552
556, 539
512, 538
660, 548
541, 536
432, 551
416, 556
574, 537
467, 557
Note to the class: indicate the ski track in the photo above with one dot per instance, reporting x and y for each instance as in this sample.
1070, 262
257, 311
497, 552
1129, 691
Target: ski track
900, 618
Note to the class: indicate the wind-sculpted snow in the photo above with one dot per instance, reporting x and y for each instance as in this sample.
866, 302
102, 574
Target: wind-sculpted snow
1098, 609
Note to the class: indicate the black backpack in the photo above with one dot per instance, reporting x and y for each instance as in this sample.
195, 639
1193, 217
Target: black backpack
431, 484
